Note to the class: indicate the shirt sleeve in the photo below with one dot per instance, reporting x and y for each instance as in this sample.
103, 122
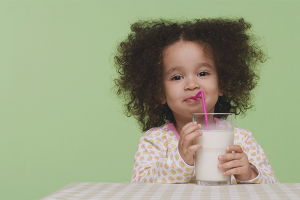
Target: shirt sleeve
158, 161
257, 158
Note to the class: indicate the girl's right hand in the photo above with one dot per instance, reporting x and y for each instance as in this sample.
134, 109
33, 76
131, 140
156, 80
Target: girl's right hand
185, 145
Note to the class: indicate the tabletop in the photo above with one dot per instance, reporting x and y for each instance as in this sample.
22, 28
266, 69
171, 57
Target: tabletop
102, 190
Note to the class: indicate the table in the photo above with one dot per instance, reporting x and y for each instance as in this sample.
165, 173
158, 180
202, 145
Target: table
101, 190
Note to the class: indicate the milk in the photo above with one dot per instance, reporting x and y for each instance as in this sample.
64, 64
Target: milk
214, 144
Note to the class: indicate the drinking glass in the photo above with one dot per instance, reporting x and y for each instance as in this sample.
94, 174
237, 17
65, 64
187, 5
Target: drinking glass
217, 136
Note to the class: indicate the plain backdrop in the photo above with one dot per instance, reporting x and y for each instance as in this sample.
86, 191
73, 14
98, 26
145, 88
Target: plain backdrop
60, 122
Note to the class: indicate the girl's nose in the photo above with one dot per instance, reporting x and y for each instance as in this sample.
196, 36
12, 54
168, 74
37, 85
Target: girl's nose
192, 85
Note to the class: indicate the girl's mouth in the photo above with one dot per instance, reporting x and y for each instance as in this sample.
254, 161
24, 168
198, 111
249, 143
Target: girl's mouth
192, 100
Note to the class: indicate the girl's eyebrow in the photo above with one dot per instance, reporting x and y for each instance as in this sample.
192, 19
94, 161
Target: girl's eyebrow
205, 65
179, 67
172, 69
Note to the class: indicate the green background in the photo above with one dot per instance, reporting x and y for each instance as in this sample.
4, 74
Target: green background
59, 120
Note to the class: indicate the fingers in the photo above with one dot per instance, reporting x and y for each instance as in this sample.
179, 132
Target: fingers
189, 133
230, 156
235, 148
188, 140
233, 160
188, 128
194, 148
231, 164
188, 154
185, 145
242, 173
234, 171
236, 155
235, 163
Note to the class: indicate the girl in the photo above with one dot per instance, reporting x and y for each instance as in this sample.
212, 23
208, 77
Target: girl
162, 65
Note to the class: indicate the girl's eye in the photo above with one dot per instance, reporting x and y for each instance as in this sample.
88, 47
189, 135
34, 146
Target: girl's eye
203, 74
176, 78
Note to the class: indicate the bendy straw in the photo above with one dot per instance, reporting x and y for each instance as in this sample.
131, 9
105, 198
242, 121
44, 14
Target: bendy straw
204, 107
197, 95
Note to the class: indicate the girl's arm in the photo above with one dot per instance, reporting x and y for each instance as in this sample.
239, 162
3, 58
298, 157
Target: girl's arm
256, 156
157, 160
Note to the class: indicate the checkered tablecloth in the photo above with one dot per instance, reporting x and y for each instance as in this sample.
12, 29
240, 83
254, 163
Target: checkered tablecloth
95, 190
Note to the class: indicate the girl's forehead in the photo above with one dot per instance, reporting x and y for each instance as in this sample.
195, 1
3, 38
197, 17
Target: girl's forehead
185, 53
179, 45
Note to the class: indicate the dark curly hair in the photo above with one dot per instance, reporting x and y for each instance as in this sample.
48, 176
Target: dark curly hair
138, 62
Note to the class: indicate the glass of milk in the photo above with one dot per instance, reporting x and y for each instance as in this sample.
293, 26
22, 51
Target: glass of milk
215, 139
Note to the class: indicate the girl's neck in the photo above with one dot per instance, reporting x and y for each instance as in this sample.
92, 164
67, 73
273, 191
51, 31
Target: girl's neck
178, 125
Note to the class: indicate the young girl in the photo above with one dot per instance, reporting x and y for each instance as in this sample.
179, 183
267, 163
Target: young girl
162, 65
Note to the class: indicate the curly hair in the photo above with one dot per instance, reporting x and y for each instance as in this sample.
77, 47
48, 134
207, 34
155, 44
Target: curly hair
138, 62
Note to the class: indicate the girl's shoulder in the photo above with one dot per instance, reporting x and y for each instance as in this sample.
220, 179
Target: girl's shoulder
165, 130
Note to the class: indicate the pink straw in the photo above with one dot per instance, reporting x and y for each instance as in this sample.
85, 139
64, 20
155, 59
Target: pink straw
197, 95
204, 107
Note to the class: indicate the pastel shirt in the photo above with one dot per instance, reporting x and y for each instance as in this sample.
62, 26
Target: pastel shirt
157, 159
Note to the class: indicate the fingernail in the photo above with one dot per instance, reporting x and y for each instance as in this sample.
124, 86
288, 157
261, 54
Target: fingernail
220, 157
227, 148
224, 173
199, 125
220, 166
195, 122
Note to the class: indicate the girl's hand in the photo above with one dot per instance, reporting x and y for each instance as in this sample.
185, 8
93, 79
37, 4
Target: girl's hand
237, 163
185, 145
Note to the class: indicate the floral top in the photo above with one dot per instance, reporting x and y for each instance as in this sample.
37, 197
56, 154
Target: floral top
157, 159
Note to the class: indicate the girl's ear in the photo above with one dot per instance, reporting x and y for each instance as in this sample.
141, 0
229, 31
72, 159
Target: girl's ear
163, 99
220, 93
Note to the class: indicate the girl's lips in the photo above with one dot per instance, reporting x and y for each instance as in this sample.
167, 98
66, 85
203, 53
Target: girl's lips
192, 100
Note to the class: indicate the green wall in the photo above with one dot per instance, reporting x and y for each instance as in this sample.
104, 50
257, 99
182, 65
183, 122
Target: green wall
59, 121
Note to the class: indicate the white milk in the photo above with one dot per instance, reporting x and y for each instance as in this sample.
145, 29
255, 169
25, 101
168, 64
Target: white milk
214, 144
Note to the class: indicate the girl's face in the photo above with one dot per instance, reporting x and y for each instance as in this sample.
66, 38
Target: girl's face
187, 70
